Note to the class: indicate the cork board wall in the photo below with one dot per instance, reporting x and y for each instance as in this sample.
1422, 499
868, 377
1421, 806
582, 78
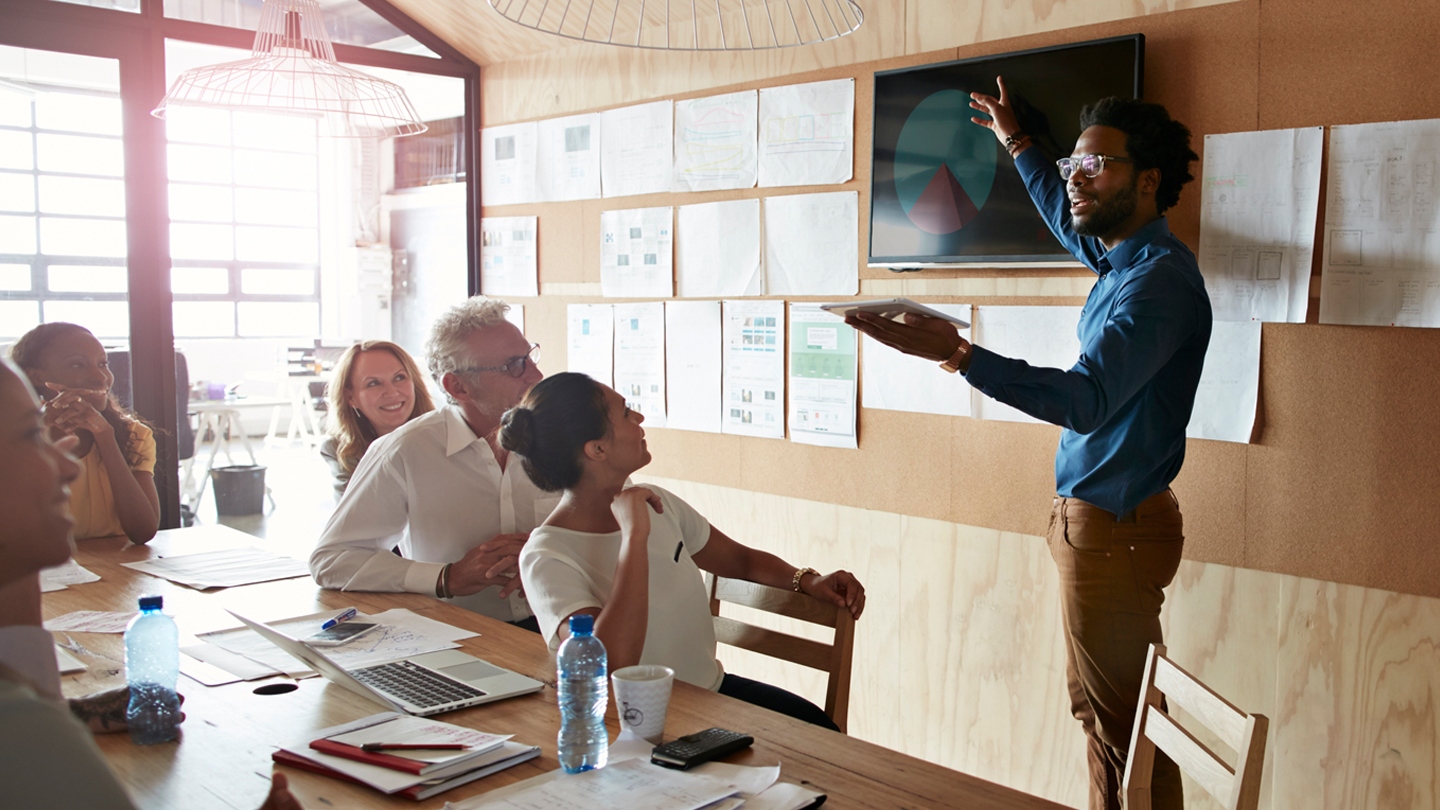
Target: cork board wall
1343, 481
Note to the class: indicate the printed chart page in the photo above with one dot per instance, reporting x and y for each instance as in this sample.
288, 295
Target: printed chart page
1041, 336
507, 257
640, 359
754, 373
718, 250
1257, 222
590, 340
807, 133
635, 149
507, 164
637, 253
716, 142
895, 381
1229, 389
693, 363
568, 158
822, 377
1382, 250
812, 244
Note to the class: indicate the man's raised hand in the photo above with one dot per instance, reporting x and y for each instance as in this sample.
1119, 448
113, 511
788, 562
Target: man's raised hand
1002, 115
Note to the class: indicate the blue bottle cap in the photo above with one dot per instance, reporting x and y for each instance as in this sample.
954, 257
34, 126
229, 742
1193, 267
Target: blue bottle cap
582, 624
152, 602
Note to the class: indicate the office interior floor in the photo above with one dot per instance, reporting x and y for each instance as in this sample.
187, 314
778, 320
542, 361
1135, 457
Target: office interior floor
300, 491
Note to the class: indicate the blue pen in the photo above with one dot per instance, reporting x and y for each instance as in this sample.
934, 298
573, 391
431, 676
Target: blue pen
343, 617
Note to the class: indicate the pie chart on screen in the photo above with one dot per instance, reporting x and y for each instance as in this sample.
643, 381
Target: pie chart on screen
944, 164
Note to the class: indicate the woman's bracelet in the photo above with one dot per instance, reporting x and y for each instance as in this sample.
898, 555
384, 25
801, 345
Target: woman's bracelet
442, 584
799, 575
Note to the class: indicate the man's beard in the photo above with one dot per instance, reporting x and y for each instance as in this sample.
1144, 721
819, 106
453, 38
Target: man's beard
1109, 214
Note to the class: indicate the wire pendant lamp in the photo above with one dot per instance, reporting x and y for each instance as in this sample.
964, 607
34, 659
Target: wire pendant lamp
689, 25
292, 69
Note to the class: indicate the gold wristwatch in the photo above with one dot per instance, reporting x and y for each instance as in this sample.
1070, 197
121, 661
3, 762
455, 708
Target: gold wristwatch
960, 356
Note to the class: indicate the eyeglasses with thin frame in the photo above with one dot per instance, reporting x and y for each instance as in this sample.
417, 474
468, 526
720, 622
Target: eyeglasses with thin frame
515, 366
1089, 165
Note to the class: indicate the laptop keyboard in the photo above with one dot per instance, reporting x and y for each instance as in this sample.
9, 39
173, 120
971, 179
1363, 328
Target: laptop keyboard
414, 684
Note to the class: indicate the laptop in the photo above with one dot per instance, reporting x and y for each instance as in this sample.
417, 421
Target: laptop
421, 685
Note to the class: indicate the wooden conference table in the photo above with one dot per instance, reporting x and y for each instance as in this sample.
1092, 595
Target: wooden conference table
223, 757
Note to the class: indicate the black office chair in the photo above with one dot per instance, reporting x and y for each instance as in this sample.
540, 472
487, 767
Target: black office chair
185, 432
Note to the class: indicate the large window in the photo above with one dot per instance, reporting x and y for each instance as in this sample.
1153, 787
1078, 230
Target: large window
62, 193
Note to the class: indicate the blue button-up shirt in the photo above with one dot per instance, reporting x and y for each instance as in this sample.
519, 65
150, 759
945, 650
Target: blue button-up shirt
1143, 333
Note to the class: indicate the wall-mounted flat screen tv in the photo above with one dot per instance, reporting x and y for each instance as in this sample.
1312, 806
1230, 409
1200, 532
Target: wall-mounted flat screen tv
943, 190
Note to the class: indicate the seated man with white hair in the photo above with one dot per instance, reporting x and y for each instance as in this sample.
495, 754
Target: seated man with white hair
440, 487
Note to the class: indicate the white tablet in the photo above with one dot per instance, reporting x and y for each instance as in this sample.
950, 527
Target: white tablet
893, 308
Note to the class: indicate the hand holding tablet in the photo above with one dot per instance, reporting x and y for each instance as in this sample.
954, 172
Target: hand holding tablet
892, 308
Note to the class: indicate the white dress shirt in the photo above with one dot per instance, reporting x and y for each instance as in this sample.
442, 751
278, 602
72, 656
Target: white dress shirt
434, 489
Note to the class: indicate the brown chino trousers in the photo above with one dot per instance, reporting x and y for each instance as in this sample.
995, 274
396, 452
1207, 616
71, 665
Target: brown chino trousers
1111, 575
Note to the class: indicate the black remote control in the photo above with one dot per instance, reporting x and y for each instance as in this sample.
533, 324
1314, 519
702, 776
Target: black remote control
702, 746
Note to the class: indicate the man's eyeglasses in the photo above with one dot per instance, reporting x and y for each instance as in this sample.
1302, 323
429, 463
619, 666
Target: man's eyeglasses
515, 367
1089, 165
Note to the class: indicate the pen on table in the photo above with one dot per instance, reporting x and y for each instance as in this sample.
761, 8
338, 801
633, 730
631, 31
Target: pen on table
413, 747
343, 617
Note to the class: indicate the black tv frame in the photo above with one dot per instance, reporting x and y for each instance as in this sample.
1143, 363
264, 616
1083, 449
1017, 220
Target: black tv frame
1058, 258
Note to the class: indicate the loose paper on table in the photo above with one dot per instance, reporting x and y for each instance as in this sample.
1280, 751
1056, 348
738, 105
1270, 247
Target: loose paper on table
640, 359
568, 158
635, 149
64, 575
754, 371
812, 244
634, 784
718, 250
1041, 336
693, 365
1382, 256
637, 253
591, 340
807, 133
895, 381
507, 257
223, 569
716, 142
822, 377
1257, 222
507, 164
91, 621
1230, 384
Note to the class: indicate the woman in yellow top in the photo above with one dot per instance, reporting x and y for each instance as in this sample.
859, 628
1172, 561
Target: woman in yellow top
115, 492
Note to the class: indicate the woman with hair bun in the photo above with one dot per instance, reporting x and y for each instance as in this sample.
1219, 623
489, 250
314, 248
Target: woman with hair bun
631, 556
376, 388
115, 493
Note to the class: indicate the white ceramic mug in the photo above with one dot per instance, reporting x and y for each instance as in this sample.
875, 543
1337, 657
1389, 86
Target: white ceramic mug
642, 694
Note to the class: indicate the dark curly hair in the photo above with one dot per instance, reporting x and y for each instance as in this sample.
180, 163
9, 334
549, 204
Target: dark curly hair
551, 425
1153, 139
26, 354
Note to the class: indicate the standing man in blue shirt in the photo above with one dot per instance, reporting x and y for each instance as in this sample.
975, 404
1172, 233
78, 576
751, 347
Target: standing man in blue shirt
1116, 529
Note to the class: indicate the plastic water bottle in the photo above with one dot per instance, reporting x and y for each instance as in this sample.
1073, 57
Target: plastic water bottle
584, 693
152, 665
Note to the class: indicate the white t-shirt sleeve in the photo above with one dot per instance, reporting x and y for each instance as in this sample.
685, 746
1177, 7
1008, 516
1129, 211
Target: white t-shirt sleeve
555, 589
694, 528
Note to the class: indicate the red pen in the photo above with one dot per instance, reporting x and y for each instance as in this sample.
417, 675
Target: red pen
413, 747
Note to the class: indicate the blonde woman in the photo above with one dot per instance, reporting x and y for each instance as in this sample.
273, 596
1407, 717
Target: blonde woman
376, 388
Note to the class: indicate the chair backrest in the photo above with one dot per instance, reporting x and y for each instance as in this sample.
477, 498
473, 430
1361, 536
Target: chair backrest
185, 433
1236, 788
833, 658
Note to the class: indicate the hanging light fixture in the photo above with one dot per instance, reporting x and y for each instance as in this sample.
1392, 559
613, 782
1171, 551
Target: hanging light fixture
689, 25
292, 69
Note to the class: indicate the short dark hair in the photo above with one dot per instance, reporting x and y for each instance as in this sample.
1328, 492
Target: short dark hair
1153, 139
550, 426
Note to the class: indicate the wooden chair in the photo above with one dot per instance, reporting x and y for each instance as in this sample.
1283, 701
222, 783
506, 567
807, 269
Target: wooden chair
833, 658
1236, 788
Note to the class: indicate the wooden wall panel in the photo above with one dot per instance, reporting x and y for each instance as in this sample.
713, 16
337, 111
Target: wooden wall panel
1339, 485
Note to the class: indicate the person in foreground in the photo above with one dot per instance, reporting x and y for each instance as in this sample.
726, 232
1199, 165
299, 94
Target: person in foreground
631, 556
115, 493
439, 486
1116, 530
376, 388
47, 757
